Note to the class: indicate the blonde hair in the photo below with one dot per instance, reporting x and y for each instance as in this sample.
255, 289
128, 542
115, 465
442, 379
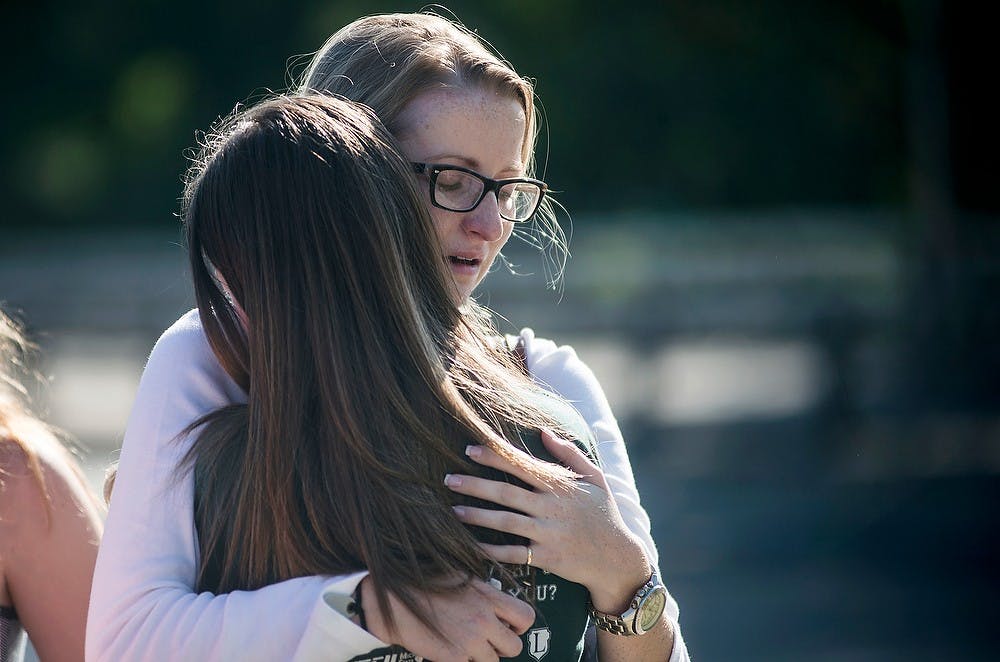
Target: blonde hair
17, 423
385, 61
22, 431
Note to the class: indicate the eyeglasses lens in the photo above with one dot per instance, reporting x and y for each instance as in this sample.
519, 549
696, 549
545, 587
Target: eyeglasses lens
517, 201
457, 190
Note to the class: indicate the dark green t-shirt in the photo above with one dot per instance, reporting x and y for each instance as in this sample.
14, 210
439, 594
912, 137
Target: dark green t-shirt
557, 635
561, 615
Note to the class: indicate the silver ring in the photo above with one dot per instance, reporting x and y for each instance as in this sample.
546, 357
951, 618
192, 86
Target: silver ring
528, 562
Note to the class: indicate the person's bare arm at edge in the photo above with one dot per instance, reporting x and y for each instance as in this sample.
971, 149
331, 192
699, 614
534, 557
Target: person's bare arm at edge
144, 603
48, 545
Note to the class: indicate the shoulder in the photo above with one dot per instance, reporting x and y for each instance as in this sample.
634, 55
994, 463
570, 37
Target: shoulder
559, 368
183, 359
185, 339
20, 481
38, 480
545, 355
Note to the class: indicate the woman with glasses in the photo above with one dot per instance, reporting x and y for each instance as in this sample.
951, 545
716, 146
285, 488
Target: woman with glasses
466, 122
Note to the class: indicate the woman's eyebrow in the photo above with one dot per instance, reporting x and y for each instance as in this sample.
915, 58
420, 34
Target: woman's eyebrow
473, 164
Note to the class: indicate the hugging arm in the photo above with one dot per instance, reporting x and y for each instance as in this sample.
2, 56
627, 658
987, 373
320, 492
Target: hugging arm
143, 603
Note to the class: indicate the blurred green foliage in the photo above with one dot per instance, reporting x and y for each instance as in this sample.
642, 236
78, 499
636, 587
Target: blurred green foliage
649, 105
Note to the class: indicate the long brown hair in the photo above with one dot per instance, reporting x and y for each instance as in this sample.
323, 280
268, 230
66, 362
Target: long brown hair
365, 382
385, 61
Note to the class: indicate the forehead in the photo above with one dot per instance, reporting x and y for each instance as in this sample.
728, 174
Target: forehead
475, 125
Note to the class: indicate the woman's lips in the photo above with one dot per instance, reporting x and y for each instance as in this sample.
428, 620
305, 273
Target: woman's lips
466, 266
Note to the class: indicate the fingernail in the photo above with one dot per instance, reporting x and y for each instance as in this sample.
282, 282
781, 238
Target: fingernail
474, 451
452, 481
459, 510
552, 435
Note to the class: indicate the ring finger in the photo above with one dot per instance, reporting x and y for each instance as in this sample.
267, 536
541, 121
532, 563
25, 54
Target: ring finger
513, 554
498, 520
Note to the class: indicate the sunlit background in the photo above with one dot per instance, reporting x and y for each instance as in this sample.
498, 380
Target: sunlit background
786, 253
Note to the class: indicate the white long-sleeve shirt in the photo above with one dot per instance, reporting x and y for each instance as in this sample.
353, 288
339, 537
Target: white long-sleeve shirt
143, 604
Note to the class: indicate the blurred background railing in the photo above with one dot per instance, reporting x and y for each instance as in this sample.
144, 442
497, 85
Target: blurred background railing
755, 365
786, 257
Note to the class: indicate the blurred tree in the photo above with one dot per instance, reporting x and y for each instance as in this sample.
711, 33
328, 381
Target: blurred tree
952, 320
654, 105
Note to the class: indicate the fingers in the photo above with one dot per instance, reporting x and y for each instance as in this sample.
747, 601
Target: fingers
568, 454
516, 613
489, 458
487, 620
486, 653
477, 622
506, 643
498, 520
512, 554
503, 494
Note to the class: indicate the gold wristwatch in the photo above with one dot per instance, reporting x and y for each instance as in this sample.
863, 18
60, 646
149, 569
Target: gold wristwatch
643, 612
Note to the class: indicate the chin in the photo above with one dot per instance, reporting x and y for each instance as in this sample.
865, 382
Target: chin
464, 290
459, 294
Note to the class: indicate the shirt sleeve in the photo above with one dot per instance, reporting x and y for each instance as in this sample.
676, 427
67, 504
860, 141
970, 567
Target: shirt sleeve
143, 605
558, 369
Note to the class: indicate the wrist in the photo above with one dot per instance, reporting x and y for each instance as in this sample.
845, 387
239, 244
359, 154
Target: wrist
643, 614
618, 585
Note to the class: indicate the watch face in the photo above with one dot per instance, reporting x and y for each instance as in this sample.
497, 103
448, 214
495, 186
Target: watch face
651, 609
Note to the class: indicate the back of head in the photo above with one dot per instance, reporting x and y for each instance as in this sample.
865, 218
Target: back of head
301, 212
301, 203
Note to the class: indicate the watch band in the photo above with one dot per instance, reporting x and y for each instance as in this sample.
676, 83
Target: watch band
624, 624
612, 624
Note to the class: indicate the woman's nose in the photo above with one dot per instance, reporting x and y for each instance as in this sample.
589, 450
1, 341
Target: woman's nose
485, 219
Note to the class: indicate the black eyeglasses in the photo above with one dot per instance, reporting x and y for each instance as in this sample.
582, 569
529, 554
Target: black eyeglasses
459, 189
